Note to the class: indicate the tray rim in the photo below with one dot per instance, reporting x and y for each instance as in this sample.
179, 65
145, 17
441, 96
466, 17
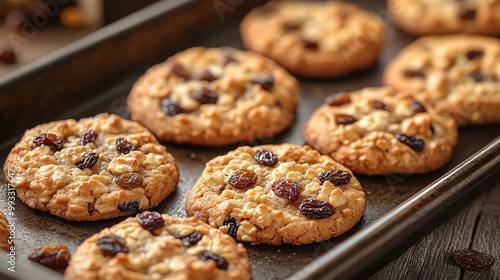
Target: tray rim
481, 163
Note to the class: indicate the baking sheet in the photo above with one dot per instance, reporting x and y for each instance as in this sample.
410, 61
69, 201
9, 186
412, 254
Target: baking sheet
384, 193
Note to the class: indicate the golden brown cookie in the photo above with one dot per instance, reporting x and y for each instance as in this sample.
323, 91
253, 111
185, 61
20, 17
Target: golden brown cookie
277, 194
214, 97
459, 73
4, 233
379, 131
92, 169
314, 39
154, 246
438, 17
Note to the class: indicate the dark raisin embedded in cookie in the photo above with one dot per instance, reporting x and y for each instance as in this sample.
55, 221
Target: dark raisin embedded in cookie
316, 209
132, 207
266, 82
190, 239
477, 77
377, 104
467, 13
50, 140
124, 146
206, 75
412, 73
417, 107
415, 143
265, 157
230, 222
53, 256
473, 54
290, 26
344, 119
338, 99
180, 71
112, 244
243, 178
129, 180
310, 44
228, 56
88, 137
171, 107
205, 96
219, 261
88, 161
337, 177
150, 220
287, 188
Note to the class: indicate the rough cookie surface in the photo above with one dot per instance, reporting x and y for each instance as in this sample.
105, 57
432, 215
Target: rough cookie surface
161, 253
379, 130
215, 97
460, 74
314, 39
4, 233
93, 179
435, 17
259, 213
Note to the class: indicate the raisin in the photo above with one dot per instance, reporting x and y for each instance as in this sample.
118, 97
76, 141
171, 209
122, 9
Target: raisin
132, 207
50, 140
338, 99
111, 245
171, 107
472, 260
287, 188
417, 107
310, 44
180, 71
477, 77
344, 119
265, 157
266, 82
205, 96
227, 57
290, 26
124, 146
243, 178
230, 222
129, 180
473, 54
206, 75
7, 56
190, 239
150, 220
88, 161
219, 261
415, 143
467, 13
316, 209
337, 177
377, 104
409, 73
53, 256
88, 137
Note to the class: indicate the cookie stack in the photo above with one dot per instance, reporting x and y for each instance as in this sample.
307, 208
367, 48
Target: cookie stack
105, 166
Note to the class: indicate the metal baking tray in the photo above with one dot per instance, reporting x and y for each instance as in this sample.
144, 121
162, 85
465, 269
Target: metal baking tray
95, 74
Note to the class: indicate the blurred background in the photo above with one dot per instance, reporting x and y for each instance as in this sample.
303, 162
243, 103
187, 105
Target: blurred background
30, 29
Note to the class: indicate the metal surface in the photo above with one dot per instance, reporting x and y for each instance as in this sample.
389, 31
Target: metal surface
159, 31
